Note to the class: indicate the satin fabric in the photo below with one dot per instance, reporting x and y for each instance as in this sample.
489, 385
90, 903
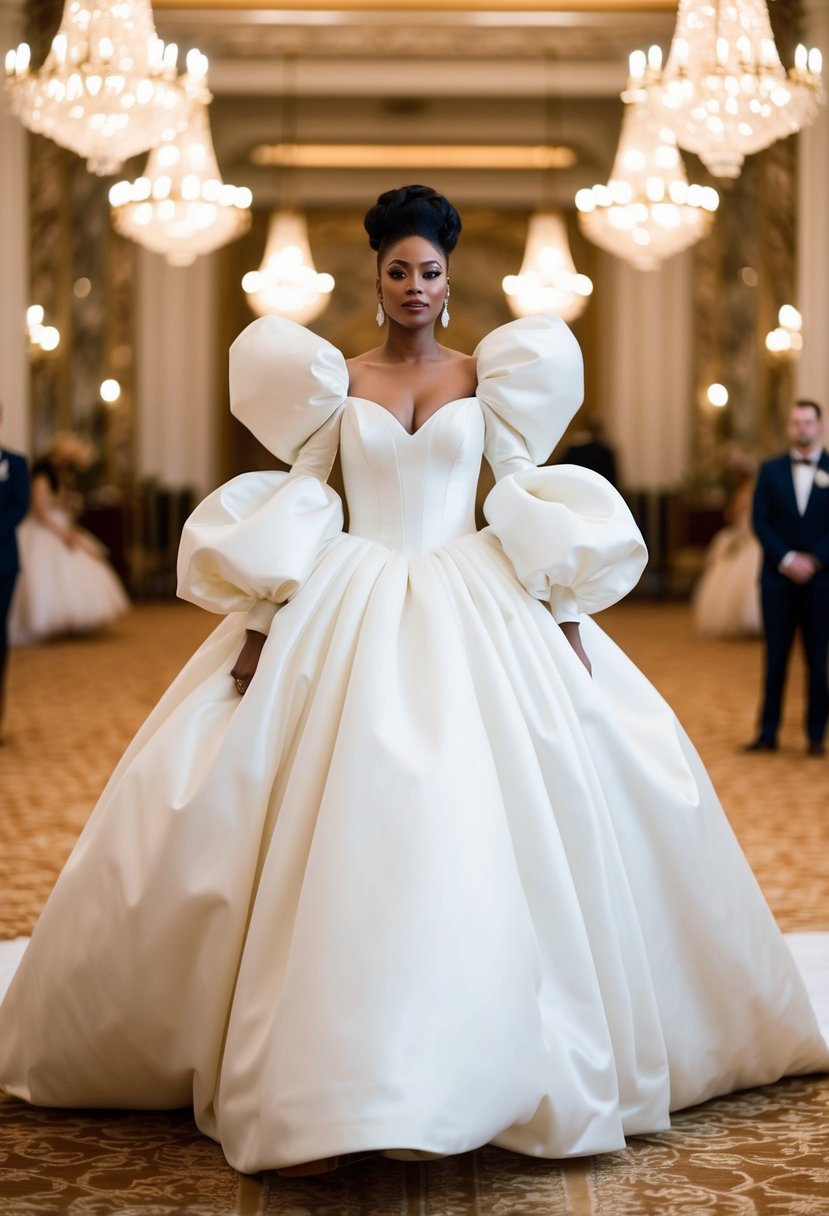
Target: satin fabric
427, 885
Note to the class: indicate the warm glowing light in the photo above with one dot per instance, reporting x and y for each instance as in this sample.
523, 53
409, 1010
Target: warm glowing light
287, 282
109, 88
548, 281
49, 337
647, 211
42, 338
110, 391
717, 395
785, 342
179, 206
790, 318
414, 156
723, 88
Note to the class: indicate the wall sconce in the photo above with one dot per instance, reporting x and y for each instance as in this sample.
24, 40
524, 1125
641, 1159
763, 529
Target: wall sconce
786, 341
110, 391
42, 338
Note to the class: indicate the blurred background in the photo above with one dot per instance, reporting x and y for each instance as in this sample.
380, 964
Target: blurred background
511, 110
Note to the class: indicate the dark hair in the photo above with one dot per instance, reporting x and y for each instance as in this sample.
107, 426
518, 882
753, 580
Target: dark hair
804, 404
412, 211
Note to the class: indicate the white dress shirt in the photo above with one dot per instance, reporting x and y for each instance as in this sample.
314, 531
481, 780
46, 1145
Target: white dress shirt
803, 476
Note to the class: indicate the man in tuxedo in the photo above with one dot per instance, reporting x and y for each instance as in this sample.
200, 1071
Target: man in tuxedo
14, 503
791, 519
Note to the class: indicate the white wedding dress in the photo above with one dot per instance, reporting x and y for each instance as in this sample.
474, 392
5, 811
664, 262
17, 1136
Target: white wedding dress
61, 590
427, 885
726, 600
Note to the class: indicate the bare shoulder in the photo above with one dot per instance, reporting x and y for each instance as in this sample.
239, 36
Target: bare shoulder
368, 356
465, 367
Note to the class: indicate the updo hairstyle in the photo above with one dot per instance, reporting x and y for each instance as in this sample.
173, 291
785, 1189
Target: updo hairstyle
412, 211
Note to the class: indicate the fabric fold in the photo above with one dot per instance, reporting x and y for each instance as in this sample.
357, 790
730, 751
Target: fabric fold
285, 383
256, 538
570, 537
530, 384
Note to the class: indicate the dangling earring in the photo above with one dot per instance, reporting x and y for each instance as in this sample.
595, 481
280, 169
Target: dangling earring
444, 316
380, 316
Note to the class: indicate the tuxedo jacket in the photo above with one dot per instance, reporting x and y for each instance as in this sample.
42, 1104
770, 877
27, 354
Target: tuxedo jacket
14, 503
779, 525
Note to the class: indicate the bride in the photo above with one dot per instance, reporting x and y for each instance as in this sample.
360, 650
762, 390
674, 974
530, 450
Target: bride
386, 869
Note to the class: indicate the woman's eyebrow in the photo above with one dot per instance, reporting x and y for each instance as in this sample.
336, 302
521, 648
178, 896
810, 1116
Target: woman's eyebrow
401, 262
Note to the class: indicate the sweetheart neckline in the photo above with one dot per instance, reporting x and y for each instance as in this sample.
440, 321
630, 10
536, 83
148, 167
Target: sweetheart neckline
423, 425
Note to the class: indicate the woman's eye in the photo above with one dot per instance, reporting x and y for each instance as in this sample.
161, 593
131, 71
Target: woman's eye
395, 274
431, 274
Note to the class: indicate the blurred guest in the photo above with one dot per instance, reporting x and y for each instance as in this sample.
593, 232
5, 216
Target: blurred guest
791, 518
67, 584
726, 600
14, 502
589, 450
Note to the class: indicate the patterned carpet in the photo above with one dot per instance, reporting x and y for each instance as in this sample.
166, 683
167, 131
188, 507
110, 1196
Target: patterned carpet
75, 704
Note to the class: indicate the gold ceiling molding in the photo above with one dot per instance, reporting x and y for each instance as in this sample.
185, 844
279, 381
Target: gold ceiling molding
423, 6
413, 156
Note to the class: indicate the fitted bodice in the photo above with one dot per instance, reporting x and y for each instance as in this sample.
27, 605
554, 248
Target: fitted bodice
414, 492
255, 542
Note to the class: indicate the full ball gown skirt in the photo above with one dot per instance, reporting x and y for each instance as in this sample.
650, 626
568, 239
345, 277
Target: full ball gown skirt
427, 885
61, 590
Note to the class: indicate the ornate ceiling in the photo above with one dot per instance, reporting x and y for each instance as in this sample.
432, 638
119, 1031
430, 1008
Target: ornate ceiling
423, 74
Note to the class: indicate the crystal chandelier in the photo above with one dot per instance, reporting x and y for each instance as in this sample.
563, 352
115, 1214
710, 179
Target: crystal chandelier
108, 88
547, 281
647, 211
287, 282
724, 90
179, 206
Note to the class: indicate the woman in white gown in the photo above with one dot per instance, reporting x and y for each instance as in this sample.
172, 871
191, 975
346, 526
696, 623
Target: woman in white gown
66, 584
426, 884
726, 600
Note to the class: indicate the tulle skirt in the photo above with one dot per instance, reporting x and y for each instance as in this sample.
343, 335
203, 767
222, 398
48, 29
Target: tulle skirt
726, 600
61, 590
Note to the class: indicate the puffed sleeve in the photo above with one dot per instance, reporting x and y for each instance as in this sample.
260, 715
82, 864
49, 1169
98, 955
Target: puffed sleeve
254, 541
285, 383
530, 384
568, 533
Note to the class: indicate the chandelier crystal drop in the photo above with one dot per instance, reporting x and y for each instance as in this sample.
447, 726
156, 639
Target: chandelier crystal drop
724, 90
547, 281
109, 87
180, 207
647, 211
287, 283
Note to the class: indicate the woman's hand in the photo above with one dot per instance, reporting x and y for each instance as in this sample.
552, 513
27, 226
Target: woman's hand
570, 629
244, 669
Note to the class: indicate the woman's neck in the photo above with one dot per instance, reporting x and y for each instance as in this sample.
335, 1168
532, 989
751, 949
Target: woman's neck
408, 346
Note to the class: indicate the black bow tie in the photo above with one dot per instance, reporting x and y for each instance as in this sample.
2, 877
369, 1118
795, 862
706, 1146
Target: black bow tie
802, 460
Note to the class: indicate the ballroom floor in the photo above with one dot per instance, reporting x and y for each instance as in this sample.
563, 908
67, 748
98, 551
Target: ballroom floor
74, 705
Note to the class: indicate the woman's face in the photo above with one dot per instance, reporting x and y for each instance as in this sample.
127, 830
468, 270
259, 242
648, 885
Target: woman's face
412, 282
